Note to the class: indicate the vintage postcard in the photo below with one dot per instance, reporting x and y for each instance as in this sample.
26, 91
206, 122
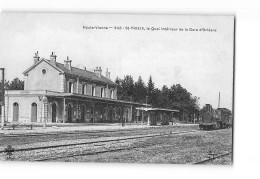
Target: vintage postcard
117, 88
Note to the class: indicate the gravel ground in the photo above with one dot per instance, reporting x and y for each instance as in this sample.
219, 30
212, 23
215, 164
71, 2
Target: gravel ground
181, 149
176, 149
225, 160
61, 138
171, 149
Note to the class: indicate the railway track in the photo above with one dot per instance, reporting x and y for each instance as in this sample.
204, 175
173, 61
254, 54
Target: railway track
89, 153
212, 158
56, 137
114, 150
96, 144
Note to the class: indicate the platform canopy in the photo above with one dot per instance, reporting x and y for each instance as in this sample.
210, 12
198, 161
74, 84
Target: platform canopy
157, 109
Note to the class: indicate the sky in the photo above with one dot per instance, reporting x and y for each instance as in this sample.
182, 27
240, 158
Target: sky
201, 61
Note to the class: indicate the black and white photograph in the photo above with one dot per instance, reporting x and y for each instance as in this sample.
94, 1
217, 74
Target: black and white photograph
117, 88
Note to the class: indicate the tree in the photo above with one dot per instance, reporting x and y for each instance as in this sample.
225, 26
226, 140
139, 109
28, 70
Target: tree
118, 81
164, 101
150, 91
125, 88
183, 100
175, 97
16, 84
139, 91
150, 86
6, 84
128, 86
156, 98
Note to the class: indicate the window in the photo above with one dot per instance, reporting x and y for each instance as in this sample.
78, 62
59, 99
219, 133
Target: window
43, 71
111, 93
102, 92
83, 89
70, 87
93, 91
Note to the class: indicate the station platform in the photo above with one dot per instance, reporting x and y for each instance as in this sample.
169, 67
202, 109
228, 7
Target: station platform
77, 127
70, 127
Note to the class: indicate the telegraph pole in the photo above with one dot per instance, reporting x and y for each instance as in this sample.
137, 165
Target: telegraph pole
3, 98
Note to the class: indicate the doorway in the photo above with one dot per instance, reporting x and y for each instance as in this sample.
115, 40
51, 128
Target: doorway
54, 113
34, 112
82, 113
15, 112
69, 113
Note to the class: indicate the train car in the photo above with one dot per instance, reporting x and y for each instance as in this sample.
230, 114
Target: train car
224, 117
211, 119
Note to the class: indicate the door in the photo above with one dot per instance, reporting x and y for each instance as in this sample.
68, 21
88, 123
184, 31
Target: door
34, 112
110, 115
69, 113
54, 108
82, 113
126, 117
15, 112
92, 114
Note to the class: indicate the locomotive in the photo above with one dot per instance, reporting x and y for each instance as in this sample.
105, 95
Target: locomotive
211, 119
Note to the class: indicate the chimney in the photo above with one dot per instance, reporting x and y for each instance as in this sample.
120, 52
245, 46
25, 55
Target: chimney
98, 71
208, 107
67, 63
36, 57
53, 58
107, 74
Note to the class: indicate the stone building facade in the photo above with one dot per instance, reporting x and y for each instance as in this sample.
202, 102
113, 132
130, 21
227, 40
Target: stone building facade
60, 93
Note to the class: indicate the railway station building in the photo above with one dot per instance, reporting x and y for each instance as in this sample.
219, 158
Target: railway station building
60, 93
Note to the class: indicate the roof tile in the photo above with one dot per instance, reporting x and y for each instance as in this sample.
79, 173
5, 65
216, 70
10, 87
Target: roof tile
84, 74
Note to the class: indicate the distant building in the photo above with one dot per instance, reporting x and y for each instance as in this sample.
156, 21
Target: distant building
61, 93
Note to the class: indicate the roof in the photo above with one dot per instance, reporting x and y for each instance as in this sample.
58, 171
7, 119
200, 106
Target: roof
223, 109
80, 96
158, 109
77, 72
84, 74
35, 64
